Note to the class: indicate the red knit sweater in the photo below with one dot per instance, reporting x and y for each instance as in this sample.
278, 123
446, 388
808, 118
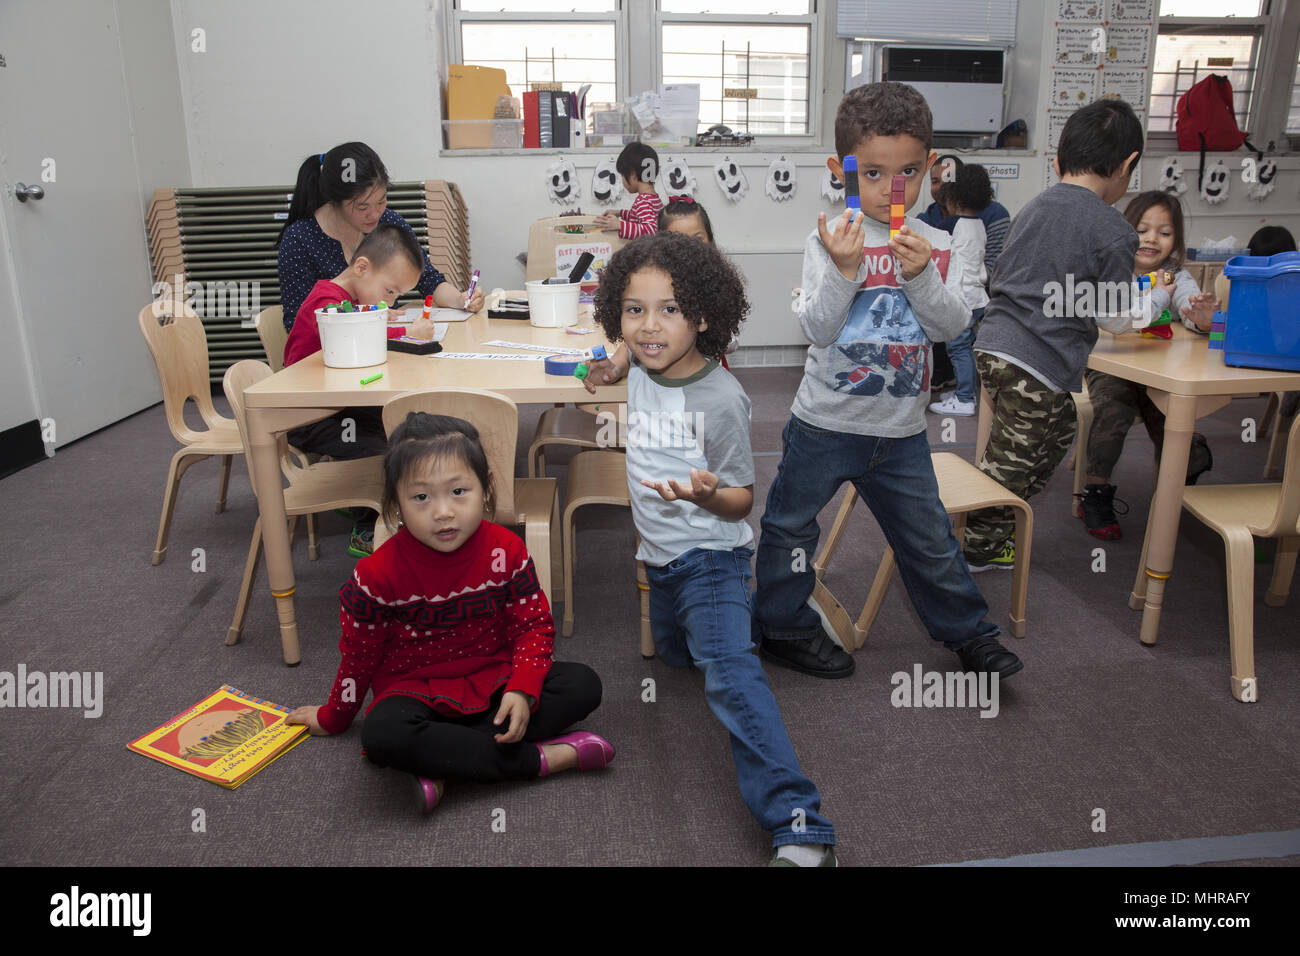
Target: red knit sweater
448, 629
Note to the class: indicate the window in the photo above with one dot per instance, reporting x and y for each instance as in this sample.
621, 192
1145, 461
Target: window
1200, 37
752, 60
1293, 115
570, 42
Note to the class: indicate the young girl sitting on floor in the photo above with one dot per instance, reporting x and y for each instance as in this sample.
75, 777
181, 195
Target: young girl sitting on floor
1158, 219
448, 625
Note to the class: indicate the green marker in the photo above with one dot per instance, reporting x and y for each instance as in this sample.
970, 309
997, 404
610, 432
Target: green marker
346, 306
374, 378
382, 304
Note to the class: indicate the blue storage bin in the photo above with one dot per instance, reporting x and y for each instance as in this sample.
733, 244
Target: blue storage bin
1262, 326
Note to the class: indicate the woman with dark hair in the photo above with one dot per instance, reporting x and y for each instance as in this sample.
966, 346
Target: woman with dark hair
340, 197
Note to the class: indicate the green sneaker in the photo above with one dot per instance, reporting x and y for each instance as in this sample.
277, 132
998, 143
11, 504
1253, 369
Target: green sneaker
828, 859
362, 542
1004, 559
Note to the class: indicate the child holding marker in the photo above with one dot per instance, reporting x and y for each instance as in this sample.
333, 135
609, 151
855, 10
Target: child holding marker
449, 627
638, 164
871, 304
966, 196
1158, 218
387, 263
1033, 345
676, 302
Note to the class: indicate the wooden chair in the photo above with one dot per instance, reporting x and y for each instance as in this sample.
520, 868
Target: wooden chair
599, 478
270, 329
1241, 513
583, 426
962, 488
179, 348
358, 483
531, 502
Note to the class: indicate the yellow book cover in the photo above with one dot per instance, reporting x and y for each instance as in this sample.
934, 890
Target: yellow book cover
225, 738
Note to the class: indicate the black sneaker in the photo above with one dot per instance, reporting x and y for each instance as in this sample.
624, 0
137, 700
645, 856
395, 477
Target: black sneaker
987, 655
818, 656
1199, 459
1096, 507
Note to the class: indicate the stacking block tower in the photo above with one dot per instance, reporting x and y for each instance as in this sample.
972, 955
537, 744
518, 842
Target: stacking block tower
897, 202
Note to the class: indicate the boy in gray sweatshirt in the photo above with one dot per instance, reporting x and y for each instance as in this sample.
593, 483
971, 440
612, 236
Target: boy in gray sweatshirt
871, 306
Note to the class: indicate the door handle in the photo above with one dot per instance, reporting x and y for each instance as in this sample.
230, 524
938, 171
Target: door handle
23, 193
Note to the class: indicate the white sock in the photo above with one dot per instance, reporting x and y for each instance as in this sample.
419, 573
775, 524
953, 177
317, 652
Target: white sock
802, 854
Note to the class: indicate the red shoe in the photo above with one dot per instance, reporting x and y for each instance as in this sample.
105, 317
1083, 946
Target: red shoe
594, 753
428, 793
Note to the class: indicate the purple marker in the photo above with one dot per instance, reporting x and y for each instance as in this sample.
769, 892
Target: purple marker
473, 284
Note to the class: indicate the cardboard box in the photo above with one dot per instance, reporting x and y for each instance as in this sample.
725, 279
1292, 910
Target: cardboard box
472, 94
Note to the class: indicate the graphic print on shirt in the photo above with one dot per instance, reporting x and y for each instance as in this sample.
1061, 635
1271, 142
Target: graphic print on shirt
882, 347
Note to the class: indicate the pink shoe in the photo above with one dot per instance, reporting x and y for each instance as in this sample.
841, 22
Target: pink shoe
594, 753
428, 793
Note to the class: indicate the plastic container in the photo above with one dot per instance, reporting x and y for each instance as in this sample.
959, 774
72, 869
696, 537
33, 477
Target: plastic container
484, 134
553, 306
1262, 326
353, 339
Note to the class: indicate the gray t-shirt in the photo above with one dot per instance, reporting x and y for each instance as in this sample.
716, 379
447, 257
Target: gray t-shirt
1069, 257
674, 425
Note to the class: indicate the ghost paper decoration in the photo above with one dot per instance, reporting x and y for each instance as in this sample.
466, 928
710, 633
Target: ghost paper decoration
1171, 177
676, 178
607, 183
781, 180
832, 186
731, 179
1264, 176
1214, 187
562, 182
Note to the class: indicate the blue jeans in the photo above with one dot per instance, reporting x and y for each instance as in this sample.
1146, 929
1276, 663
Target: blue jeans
700, 613
895, 479
962, 352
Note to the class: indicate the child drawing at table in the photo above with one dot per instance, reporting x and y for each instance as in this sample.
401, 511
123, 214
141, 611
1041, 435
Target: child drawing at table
387, 263
448, 625
1158, 218
638, 164
675, 302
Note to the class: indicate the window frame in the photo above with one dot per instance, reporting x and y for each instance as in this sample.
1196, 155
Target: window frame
457, 17
812, 20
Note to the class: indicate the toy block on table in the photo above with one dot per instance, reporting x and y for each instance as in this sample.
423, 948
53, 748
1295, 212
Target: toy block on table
897, 204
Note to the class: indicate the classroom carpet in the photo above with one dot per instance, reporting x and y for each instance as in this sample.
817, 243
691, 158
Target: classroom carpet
1099, 742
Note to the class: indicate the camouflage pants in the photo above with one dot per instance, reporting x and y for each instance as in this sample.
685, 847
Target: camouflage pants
1115, 404
1033, 427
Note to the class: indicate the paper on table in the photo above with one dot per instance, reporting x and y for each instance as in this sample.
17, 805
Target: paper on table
439, 328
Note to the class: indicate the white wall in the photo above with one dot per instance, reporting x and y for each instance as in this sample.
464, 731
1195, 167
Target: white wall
250, 118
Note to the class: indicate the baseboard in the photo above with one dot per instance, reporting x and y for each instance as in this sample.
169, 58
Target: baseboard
20, 446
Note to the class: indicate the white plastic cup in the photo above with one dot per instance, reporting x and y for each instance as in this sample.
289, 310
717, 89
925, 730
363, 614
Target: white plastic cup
353, 339
552, 306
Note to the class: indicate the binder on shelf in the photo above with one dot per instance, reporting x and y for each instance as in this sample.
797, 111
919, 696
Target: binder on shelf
545, 119
531, 127
561, 114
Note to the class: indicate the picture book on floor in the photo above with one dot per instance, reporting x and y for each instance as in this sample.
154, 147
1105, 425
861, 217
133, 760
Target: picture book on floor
225, 738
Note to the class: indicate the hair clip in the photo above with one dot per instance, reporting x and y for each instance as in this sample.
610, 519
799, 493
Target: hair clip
683, 199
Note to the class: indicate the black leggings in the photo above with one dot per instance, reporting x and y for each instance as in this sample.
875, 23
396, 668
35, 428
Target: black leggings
407, 734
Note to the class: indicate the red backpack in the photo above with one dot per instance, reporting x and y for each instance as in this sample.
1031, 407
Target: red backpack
1205, 118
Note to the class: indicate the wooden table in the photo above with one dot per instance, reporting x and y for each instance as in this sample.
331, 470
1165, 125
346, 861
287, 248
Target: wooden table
308, 391
1186, 380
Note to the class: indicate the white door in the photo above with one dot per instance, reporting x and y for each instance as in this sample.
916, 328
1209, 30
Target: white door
77, 257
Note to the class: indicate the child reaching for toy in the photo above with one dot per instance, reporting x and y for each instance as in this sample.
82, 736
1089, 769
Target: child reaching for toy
1158, 218
676, 302
638, 164
448, 625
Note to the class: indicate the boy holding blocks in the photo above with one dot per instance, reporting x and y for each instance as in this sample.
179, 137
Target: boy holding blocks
872, 302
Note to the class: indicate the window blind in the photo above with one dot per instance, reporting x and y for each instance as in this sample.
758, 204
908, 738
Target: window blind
932, 22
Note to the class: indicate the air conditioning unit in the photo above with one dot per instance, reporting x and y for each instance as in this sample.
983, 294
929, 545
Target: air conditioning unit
963, 85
